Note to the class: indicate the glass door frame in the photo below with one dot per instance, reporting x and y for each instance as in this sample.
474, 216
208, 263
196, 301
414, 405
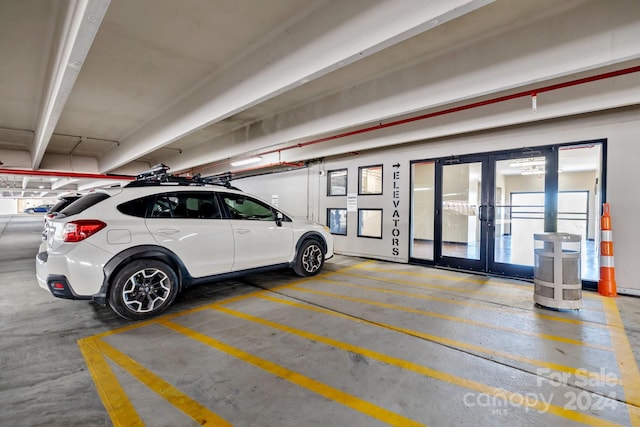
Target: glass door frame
550, 205
455, 262
552, 154
486, 262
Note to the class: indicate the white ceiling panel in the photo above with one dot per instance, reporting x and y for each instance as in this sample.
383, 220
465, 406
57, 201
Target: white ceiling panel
200, 82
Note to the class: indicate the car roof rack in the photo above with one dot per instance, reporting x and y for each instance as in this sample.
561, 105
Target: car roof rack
159, 175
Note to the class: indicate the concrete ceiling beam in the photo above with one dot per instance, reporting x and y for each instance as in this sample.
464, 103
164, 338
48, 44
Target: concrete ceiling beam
77, 28
525, 56
329, 37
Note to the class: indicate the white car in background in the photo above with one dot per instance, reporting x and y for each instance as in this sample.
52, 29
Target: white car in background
134, 248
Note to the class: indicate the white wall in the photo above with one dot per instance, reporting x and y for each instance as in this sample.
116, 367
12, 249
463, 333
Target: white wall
8, 206
296, 191
303, 192
620, 128
394, 244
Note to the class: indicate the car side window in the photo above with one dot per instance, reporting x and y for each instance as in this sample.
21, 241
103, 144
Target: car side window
243, 207
163, 206
186, 205
135, 207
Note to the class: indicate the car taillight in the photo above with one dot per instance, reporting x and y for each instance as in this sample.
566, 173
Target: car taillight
76, 231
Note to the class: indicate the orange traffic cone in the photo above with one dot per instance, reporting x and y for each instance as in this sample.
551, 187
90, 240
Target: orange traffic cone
607, 283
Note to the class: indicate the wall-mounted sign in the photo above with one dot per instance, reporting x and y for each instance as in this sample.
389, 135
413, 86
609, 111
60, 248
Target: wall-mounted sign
395, 217
352, 202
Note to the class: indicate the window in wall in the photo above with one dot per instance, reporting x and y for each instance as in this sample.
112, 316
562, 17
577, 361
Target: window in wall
337, 220
370, 180
337, 182
370, 223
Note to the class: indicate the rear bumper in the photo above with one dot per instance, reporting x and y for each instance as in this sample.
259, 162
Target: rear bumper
56, 284
52, 277
60, 288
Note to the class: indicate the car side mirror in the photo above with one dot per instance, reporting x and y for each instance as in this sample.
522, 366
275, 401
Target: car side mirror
279, 218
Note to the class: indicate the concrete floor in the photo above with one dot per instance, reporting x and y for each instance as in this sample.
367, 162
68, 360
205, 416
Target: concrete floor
364, 343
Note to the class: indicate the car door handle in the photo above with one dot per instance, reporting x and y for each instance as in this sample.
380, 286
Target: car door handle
168, 230
242, 230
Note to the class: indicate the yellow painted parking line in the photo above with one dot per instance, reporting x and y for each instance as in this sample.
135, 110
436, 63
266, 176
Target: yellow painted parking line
456, 319
114, 398
481, 281
458, 290
263, 291
484, 282
626, 360
482, 306
198, 412
453, 343
229, 300
498, 393
141, 324
301, 380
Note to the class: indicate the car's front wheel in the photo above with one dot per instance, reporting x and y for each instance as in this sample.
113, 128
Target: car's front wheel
309, 259
143, 289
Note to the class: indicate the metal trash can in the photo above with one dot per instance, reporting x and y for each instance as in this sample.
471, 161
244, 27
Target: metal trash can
556, 272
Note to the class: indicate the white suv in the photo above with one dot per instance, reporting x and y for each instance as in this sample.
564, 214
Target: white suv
134, 248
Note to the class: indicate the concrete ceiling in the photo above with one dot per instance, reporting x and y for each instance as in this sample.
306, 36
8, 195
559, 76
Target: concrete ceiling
116, 86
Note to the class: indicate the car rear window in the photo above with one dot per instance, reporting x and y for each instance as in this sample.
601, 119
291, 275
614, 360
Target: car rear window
63, 203
84, 203
136, 207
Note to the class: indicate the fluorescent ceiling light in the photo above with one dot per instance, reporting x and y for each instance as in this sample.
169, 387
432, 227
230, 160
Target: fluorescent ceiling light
521, 163
248, 161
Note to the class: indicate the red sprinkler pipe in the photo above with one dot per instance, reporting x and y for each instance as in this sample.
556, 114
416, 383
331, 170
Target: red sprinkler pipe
523, 94
464, 107
64, 174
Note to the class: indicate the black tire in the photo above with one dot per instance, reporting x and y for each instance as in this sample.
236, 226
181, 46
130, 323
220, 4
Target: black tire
143, 289
309, 259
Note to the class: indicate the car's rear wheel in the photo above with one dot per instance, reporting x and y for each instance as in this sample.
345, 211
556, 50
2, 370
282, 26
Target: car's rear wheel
309, 259
143, 289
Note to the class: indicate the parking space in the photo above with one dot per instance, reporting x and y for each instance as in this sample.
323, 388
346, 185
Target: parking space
364, 343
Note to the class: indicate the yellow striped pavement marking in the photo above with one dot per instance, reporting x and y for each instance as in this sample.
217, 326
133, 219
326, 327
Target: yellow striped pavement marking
229, 300
453, 343
626, 360
198, 412
353, 402
483, 281
513, 397
455, 319
114, 398
482, 306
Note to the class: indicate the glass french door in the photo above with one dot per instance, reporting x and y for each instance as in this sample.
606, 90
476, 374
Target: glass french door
523, 201
461, 214
485, 210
